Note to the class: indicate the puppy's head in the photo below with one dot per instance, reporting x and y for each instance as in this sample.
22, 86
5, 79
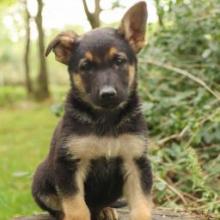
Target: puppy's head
102, 62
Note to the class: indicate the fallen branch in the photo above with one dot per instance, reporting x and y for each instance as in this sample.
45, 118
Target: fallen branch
158, 214
177, 136
183, 73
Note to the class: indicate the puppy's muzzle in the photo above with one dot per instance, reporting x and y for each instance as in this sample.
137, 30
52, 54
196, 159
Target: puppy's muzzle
108, 96
107, 93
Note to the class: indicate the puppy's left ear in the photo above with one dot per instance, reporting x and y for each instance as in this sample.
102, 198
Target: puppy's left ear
133, 25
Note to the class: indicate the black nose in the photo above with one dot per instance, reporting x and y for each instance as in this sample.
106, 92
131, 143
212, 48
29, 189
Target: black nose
107, 92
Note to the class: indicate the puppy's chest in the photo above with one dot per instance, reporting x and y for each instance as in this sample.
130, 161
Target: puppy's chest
126, 146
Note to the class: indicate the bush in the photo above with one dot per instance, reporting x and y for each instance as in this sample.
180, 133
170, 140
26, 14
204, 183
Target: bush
184, 114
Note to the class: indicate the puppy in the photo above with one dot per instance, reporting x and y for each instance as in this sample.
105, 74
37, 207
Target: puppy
98, 150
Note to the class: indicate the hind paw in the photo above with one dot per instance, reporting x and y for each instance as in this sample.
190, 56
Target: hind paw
108, 214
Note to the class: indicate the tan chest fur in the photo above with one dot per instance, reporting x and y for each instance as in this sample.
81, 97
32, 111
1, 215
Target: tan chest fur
127, 146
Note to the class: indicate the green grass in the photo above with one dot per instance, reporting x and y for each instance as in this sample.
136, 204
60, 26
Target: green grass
24, 141
11, 94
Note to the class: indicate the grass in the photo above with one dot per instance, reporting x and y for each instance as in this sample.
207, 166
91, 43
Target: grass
24, 139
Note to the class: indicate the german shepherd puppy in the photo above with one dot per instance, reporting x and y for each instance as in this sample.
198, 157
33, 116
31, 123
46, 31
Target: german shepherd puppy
98, 150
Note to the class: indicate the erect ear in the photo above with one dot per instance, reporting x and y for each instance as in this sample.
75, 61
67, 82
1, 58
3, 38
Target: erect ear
62, 46
133, 25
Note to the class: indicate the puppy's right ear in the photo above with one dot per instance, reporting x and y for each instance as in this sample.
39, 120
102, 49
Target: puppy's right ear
62, 46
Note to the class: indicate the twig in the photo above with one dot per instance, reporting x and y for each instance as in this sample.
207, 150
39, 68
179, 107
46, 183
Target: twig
209, 117
211, 14
177, 136
193, 198
202, 206
173, 189
184, 73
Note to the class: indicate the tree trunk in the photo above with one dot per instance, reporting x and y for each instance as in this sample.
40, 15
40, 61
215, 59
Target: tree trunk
28, 83
93, 18
160, 13
42, 91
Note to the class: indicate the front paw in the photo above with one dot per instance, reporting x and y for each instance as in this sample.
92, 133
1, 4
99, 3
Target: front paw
141, 214
75, 209
78, 215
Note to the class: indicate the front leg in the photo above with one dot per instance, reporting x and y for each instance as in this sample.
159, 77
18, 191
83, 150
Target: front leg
70, 175
74, 208
137, 188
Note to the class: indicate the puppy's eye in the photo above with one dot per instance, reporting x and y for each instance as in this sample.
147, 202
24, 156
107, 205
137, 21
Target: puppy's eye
119, 60
86, 65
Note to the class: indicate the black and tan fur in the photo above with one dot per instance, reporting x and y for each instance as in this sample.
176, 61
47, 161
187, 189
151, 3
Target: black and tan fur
98, 150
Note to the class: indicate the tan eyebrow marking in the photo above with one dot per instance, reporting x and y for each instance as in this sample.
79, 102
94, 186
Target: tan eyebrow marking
112, 52
88, 55
91, 57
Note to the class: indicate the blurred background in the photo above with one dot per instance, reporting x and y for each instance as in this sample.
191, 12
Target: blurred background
179, 82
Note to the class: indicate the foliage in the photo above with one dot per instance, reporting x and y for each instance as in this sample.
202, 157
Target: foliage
11, 94
183, 116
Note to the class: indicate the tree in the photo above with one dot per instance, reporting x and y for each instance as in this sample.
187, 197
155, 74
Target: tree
28, 83
42, 91
93, 18
160, 12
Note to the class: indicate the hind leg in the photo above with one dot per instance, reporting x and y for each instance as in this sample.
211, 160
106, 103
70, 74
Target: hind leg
44, 192
106, 213
137, 188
